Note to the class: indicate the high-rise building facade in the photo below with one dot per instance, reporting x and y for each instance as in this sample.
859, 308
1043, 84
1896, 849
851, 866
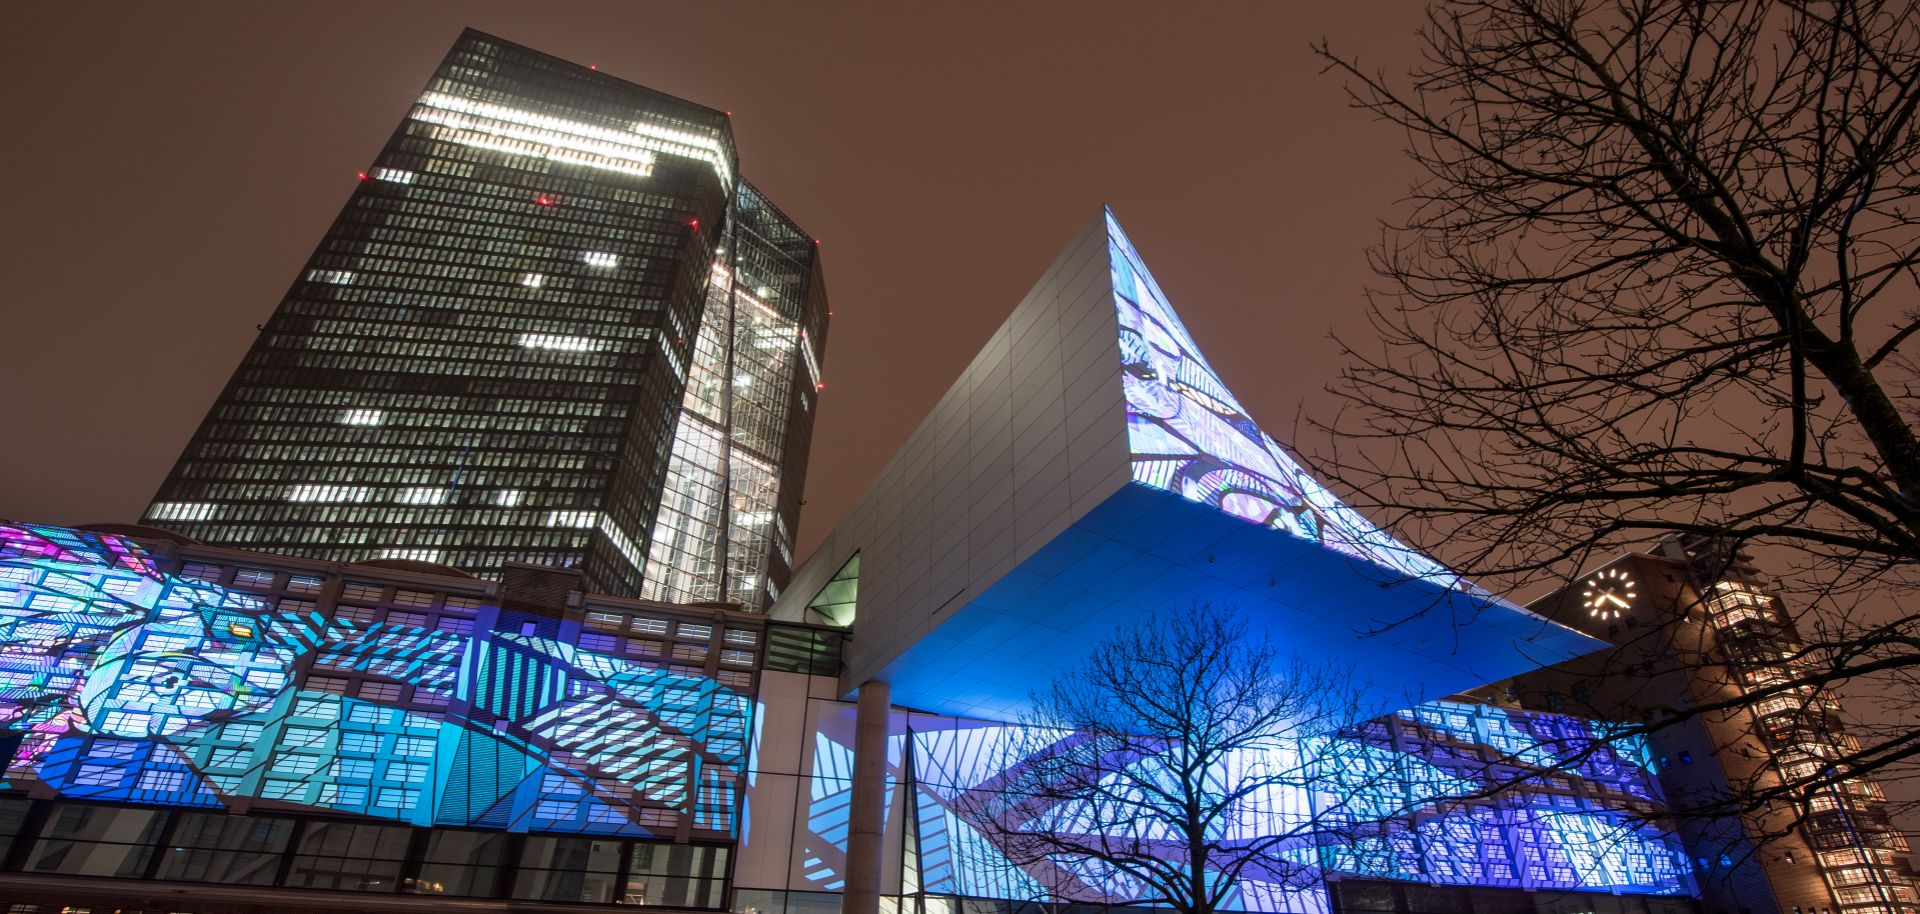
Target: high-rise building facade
1694, 626
552, 324
222, 731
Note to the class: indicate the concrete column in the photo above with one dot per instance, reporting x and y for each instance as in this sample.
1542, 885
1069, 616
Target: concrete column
867, 815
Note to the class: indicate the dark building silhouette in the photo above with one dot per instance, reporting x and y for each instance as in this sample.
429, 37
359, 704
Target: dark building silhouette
551, 325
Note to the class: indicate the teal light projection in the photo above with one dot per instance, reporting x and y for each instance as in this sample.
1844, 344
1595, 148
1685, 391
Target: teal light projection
137, 686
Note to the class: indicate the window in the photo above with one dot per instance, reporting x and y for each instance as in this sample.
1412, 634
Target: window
100, 776
416, 620
358, 769
332, 685
397, 798
111, 748
295, 764
676, 876
349, 856
580, 519
257, 578
368, 743
407, 772
198, 571
328, 493
568, 869
343, 794
602, 643
460, 862
182, 510
128, 721
412, 598
689, 652
650, 626
316, 708
643, 648
229, 850
607, 620
357, 590
85, 840
380, 691
161, 779
738, 658
364, 614
303, 583
695, 632
742, 636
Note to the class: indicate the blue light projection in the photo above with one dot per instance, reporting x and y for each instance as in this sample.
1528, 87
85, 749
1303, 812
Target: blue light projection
136, 686
1411, 797
1190, 436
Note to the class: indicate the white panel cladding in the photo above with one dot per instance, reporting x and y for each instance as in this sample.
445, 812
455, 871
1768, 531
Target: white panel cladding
1030, 438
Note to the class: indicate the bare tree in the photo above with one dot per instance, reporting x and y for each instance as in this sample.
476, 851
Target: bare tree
1165, 769
1658, 278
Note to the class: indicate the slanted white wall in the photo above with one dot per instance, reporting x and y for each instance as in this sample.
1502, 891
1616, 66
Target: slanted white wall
1032, 436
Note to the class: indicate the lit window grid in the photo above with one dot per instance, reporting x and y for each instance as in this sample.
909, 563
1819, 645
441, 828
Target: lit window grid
383, 280
312, 751
685, 552
414, 229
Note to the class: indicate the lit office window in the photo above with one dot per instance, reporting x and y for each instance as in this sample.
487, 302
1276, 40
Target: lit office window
362, 417
562, 343
328, 493
423, 495
182, 510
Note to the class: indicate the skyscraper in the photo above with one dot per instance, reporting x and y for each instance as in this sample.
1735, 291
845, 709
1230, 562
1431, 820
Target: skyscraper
552, 324
1696, 627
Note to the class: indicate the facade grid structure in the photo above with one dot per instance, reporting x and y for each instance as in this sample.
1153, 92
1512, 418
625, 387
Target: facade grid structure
1696, 625
487, 357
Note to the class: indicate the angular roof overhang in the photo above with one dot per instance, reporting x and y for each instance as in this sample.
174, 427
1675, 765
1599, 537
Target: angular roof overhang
1089, 470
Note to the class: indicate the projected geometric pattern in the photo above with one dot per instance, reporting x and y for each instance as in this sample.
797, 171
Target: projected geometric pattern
1572, 811
1571, 815
137, 686
1189, 436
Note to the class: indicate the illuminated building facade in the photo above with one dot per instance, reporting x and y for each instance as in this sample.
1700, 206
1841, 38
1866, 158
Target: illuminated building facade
203, 729
552, 324
1695, 624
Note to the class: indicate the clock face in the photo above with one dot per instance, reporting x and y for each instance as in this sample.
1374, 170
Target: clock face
1608, 595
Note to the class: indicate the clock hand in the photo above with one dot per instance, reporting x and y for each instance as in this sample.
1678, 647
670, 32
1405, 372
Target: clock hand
1617, 601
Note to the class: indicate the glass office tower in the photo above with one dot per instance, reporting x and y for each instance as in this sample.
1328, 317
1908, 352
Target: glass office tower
551, 325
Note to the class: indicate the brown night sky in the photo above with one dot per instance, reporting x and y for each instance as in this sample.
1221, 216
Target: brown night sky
173, 166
